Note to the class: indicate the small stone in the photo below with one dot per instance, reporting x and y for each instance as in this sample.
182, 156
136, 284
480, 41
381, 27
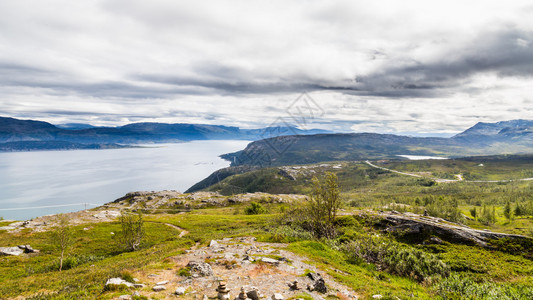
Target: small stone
270, 260
213, 244
277, 296
294, 285
242, 295
159, 288
205, 297
180, 291
378, 296
253, 294
162, 282
118, 281
138, 285
124, 297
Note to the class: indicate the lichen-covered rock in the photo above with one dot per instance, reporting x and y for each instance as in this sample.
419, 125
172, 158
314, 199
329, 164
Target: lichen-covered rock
159, 288
200, 268
14, 251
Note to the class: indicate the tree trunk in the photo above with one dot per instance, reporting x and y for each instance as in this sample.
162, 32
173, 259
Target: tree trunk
61, 261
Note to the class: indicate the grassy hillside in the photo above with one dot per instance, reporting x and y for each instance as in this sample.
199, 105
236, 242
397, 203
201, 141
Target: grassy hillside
95, 257
363, 186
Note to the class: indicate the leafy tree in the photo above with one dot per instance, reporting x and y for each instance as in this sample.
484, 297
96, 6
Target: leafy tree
473, 212
323, 204
132, 230
507, 211
62, 237
488, 215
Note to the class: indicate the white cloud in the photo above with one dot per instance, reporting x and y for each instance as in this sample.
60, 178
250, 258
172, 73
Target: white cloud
386, 66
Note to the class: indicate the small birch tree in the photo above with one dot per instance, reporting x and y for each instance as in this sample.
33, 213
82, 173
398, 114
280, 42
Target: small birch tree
323, 204
132, 230
62, 237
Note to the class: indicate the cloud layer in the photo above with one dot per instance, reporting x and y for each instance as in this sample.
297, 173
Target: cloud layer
384, 66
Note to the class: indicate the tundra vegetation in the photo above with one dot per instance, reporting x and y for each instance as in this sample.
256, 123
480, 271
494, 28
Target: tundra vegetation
354, 249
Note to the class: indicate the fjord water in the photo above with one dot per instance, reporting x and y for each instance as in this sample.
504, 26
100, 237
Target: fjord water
36, 180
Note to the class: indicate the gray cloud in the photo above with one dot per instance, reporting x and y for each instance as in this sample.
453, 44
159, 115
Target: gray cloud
238, 62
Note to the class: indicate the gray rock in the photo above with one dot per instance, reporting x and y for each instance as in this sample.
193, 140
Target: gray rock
159, 288
253, 294
320, 286
313, 276
118, 281
270, 260
277, 296
162, 282
180, 291
200, 268
412, 224
28, 249
214, 244
14, 251
138, 285
124, 297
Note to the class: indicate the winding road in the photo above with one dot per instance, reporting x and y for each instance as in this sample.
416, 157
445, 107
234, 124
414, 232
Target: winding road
459, 176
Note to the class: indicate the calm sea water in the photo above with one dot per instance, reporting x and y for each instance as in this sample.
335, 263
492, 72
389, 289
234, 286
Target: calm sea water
34, 180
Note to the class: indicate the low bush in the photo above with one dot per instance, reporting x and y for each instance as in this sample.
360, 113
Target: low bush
395, 258
255, 209
185, 272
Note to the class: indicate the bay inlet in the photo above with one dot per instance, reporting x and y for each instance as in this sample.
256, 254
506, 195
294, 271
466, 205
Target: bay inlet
47, 182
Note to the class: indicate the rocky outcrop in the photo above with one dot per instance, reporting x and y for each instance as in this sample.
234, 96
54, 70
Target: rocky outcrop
418, 225
318, 284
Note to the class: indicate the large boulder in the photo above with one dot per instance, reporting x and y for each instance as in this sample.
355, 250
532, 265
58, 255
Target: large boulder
14, 251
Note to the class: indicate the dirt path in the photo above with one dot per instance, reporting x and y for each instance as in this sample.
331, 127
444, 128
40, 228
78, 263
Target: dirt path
183, 232
241, 262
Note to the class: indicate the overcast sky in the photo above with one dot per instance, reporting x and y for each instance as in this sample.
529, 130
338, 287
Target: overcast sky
374, 66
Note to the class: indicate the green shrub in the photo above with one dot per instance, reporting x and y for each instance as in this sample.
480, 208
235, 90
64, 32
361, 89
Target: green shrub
445, 208
185, 272
127, 276
254, 209
395, 258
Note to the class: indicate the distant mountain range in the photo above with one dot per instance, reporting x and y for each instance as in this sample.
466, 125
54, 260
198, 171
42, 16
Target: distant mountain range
25, 135
508, 137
